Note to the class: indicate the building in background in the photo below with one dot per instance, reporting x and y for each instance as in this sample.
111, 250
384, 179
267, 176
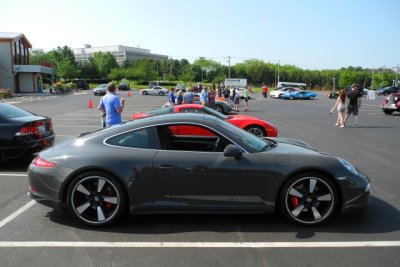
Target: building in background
15, 71
120, 52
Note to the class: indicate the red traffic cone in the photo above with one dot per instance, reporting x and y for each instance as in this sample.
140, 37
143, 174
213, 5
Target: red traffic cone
129, 93
90, 104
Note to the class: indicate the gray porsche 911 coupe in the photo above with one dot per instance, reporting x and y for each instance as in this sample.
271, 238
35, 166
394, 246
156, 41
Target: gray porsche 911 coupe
145, 166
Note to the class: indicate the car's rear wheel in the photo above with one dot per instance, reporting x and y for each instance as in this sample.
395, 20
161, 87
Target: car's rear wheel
96, 199
308, 199
388, 111
256, 130
161, 93
219, 108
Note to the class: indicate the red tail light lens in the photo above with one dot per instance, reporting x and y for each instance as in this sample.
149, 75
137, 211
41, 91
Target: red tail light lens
39, 162
36, 129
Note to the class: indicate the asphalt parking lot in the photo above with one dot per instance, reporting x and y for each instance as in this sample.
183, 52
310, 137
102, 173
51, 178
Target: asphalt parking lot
31, 234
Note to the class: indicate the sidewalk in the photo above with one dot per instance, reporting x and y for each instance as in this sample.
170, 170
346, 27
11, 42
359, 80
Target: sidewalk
28, 97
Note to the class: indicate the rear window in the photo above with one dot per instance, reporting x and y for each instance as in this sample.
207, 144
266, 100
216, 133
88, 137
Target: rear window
10, 112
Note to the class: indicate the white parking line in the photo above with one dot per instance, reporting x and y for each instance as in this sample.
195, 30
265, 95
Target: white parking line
359, 244
16, 213
12, 174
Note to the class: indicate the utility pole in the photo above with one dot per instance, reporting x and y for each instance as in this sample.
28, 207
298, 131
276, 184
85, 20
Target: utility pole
229, 66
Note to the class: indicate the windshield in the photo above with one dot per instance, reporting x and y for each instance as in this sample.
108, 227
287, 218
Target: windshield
10, 112
252, 141
215, 113
161, 111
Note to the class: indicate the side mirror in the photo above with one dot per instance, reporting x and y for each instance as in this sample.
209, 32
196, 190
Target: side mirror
233, 151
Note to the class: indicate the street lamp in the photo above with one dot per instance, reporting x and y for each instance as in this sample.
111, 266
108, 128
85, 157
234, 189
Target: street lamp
333, 84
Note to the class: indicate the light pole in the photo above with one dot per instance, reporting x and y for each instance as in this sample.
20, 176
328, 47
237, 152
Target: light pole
278, 72
333, 84
382, 75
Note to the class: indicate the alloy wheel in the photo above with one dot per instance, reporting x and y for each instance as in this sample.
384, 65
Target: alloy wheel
309, 200
96, 200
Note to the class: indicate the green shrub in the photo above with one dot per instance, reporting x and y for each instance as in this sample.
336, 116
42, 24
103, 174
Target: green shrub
5, 93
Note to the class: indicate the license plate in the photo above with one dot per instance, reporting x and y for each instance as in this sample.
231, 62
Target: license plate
41, 129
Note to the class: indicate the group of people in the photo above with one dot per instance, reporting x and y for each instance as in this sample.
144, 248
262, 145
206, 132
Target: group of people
111, 106
354, 102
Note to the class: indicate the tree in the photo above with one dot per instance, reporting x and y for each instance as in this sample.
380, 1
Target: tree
103, 63
66, 70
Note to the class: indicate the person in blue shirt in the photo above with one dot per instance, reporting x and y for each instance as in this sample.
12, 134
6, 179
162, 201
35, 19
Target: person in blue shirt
204, 96
111, 107
171, 97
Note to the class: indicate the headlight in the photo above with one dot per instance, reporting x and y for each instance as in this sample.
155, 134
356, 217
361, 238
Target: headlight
348, 165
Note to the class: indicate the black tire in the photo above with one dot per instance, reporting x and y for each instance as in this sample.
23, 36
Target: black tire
388, 111
219, 108
161, 93
256, 130
308, 199
145, 93
311, 97
291, 97
96, 199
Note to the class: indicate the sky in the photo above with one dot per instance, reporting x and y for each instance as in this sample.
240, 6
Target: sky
309, 34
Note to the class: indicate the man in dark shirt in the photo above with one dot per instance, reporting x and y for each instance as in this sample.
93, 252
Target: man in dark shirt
353, 105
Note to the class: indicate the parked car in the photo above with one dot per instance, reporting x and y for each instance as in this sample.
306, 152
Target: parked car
156, 90
23, 133
251, 124
299, 95
278, 92
82, 84
142, 167
388, 90
391, 104
100, 89
124, 87
220, 105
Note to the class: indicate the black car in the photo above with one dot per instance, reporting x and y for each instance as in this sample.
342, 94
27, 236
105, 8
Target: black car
145, 166
124, 87
23, 133
388, 90
82, 84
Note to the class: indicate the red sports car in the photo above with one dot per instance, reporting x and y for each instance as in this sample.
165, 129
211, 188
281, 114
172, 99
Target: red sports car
251, 124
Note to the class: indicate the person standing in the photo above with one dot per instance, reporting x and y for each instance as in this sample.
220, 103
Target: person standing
211, 98
111, 107
179, 97
265, 90
188, 97
204, 96
171, 97
246, 95
340, 104
353, 105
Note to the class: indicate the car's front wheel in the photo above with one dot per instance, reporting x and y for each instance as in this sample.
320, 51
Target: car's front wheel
311, 97
96, 199
308, 199
145, 93
291, 97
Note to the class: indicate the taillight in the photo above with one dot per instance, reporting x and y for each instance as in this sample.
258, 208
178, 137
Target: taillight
36, 129
39, 162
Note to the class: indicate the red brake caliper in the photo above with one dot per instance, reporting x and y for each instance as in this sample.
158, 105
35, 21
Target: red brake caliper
294, 201
108, 204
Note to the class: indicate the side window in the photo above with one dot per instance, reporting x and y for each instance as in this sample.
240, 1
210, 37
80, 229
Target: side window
142, 138
186, 137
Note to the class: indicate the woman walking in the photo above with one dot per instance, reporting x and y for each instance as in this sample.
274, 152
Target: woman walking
341, 107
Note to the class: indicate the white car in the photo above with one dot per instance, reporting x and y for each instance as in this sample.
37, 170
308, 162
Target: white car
277, 93
156, 90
